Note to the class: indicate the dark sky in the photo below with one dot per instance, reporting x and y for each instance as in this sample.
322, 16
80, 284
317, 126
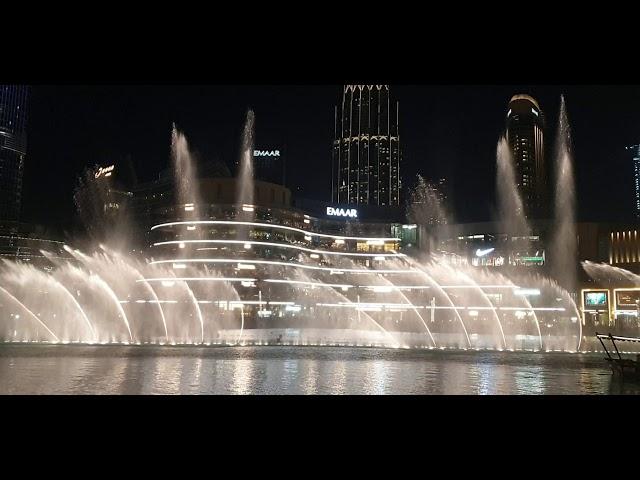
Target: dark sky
445, 130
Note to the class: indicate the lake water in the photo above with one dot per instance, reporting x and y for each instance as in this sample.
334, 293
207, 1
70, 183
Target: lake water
63, 369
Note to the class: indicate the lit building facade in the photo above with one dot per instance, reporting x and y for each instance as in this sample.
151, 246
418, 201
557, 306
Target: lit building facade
635, 152
487, 245
13, 149
525, 134
290, 269
25, 243
296, 277
366, 147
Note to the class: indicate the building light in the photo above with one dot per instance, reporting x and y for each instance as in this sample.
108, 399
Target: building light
246, 266
247, 208
314, 255
526, 292
247, 246
382, 289
106, 171
181, 245
179, 265
188, 207
342, 212
374, 242
191, 227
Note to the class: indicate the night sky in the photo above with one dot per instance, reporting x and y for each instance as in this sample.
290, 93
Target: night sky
445, 130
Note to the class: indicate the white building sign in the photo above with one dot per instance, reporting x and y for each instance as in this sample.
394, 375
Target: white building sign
106, 171
266, 153
342, 212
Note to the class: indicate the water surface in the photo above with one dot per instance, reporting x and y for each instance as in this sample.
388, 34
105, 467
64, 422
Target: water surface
63, 369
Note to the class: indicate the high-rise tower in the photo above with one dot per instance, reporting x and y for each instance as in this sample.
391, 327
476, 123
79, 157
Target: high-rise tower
635, 152
366, 148
525, 134
13, 148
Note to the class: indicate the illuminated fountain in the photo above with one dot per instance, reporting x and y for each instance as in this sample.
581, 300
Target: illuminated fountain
604, 273
564, 243
510, 206
245, 175
184, 170
241, 275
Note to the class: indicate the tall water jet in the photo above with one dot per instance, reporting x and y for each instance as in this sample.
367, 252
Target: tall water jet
103, 209
245, 184
425, 205
186, 189
245, 174
510, 207
426, 209
564, 243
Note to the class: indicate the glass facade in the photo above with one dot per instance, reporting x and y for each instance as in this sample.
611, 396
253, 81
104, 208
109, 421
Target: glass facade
635, 151
13, 148
525, 134
366, 149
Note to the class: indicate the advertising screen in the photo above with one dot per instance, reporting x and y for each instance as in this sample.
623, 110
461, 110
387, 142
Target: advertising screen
595, 299
627, 298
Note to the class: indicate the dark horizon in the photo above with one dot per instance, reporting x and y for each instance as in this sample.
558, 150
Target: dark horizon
448, 131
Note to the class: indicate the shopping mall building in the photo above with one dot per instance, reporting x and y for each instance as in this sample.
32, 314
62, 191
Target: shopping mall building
607, 297
315, 261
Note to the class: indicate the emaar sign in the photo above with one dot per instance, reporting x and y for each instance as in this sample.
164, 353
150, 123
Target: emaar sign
342, 212
266, 153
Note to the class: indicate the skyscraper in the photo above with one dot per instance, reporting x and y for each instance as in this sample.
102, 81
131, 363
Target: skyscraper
635, 152
525, 134
13, 148
366, 148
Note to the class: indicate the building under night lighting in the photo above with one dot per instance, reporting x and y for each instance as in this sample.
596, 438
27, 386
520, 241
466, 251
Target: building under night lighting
525, 134
366, 148
13, 149
635, 151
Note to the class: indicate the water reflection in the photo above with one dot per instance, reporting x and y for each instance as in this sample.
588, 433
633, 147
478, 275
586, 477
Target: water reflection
166, 376
529, 381
337, 378
242, 376
310, 378
375, 378
485, 382
290, 370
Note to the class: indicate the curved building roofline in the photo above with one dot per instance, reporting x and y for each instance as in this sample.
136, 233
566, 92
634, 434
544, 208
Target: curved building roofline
524, 96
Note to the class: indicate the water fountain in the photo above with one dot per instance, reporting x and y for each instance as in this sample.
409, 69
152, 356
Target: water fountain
564, 243
604, 273
185, 175
280, 281
510, 206
245, 176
